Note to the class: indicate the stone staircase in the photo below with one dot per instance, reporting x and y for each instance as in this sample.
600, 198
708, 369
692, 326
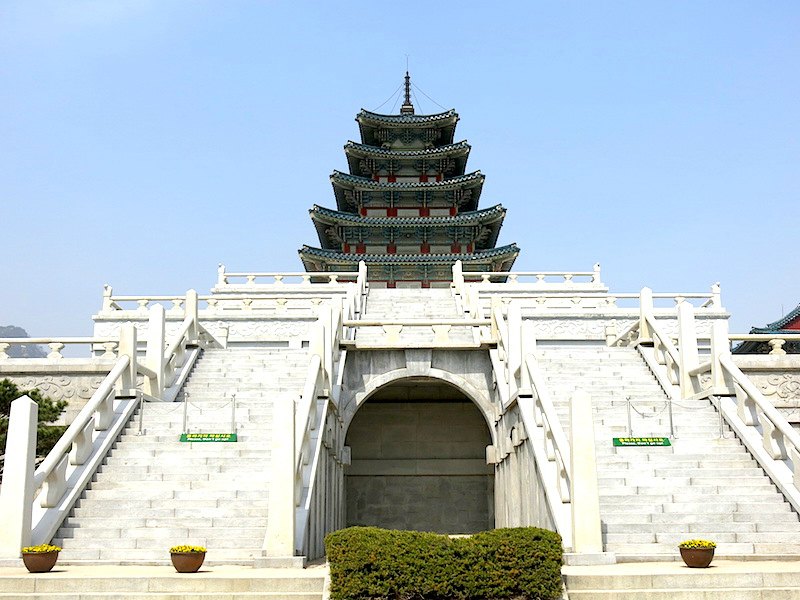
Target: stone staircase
154, 491
651, 498
411, 303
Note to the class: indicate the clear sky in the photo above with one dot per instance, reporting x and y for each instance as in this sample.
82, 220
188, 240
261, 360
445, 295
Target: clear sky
143, 142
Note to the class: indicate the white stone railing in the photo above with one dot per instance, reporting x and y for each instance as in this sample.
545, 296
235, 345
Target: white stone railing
764, 430
535, 277
68, 467
303, 278
759, 425
773, 442
57, 344
776, 341
296, 526
568, 469
140, 304
72, 463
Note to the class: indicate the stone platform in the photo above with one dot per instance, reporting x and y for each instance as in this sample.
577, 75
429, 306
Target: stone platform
128, 582
739, 580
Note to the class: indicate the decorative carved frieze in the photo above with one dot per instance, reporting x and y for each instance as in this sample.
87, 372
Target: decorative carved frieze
782, 389
266, 330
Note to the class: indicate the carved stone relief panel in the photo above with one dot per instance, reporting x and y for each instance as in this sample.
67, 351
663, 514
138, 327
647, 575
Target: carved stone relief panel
76, 389
782, 389
266, 330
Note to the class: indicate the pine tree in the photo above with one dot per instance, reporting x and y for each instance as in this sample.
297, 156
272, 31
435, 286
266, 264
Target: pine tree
49, 411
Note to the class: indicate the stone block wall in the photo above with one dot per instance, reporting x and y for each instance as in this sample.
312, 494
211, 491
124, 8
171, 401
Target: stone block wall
420, 466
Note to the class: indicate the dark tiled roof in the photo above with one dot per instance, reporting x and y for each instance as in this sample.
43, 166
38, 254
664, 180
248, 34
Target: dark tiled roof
377, 152
406, 119
503, 251
364, 182
785, 320
474, 217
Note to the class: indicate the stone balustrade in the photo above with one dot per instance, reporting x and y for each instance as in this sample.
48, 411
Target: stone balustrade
312, 450
57, 344
775, 341
536, 277
225, 278
770, 438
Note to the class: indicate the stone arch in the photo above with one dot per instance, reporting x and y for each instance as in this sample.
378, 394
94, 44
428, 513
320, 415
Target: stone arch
417, 442
480, 399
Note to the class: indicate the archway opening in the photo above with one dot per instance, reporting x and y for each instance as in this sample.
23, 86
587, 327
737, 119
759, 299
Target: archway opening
418, 450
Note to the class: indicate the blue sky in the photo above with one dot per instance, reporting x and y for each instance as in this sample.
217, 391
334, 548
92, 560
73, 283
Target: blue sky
144, 142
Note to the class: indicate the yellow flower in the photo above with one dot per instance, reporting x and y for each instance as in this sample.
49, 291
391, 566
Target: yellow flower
40, 549
696, 544
185, 549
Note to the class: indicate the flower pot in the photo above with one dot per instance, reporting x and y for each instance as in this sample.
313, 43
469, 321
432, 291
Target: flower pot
187, 562
697, 558
39, 562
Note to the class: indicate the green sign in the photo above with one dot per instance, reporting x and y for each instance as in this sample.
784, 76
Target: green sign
641, 441
208, 437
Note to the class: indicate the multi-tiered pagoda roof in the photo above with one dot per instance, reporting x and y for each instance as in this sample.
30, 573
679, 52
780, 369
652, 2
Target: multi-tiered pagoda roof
407, 207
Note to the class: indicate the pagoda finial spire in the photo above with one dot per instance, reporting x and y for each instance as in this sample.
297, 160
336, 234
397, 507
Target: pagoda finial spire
407, 108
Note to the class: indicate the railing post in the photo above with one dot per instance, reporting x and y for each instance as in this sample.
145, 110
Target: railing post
528, 346
688, 358
596, 274
279, 542
191, 311
721, 382
514, 350
221, 279
362, 274
16, 494
107, 298
716, 296
587, 537
645, 309
127, 347
494, 311
154, 357
458, 276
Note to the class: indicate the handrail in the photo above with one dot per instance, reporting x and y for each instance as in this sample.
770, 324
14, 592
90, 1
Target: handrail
513, 276
323, 380
766, 433
765, 406
278, 277
178, 338
626, 334
86, 414
661, 339
548, 418
56, 344
776, 340
306, 418
62, 340
754, 337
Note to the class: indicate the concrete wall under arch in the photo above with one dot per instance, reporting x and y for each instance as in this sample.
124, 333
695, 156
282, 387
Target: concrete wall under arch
418, 460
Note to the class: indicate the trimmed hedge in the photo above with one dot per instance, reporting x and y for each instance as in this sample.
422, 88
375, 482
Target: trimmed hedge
368, 563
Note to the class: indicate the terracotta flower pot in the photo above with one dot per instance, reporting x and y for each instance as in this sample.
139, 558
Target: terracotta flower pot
39, 562
697, 558
187, 562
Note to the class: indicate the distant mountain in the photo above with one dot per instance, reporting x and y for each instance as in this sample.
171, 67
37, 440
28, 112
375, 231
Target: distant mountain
20, 350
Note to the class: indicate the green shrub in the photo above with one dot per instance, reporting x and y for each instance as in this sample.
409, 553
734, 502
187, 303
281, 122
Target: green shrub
367, 563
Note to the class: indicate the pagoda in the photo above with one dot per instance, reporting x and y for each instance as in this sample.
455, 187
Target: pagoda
407, 207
